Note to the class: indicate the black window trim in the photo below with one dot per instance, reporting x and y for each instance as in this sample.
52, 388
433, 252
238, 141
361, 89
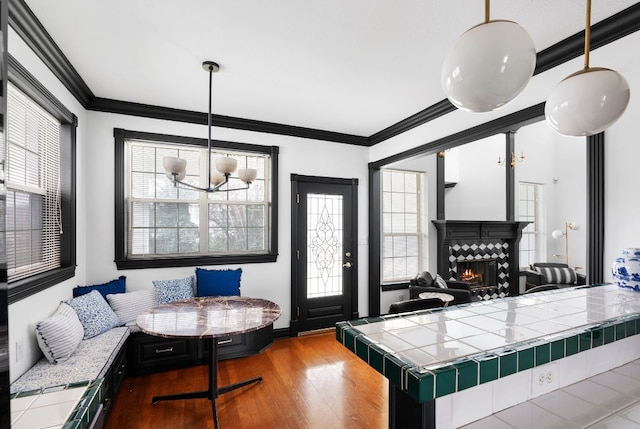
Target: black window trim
121, 259
27, 83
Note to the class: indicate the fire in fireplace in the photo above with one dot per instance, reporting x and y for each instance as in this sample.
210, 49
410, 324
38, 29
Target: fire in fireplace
478, 273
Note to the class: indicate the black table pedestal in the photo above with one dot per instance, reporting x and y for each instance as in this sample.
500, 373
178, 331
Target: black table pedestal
213, 391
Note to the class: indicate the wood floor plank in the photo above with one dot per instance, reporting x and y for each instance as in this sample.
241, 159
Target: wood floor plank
308, 382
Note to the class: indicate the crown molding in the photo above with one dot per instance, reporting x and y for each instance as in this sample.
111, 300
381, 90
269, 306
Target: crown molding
26, 24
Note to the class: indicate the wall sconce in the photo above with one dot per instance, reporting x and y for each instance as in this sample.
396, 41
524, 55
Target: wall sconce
557, 234
514, 159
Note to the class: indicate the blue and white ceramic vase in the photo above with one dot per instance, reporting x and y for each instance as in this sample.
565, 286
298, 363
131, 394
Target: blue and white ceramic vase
626, 269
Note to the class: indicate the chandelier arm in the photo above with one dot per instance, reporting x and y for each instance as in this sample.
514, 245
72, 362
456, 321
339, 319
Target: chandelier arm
587, 36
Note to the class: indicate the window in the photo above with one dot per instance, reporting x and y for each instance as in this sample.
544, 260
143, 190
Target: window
40, 194
532, 247
401, 225
175, 226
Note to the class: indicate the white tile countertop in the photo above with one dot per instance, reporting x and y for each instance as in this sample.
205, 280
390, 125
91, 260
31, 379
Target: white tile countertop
60, 407
433, 353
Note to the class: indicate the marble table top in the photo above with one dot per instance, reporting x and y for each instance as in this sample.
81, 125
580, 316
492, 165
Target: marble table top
208, 317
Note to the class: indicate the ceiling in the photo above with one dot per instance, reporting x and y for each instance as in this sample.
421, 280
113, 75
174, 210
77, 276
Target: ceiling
353, 67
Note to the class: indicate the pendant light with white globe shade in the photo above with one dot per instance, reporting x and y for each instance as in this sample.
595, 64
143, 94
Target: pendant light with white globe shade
588, 101
489, 65
176, 168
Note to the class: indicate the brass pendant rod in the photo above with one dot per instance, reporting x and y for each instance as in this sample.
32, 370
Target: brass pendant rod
587, 36
487, 10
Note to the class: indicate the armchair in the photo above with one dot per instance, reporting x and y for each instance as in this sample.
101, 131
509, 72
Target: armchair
424, 282
553, 273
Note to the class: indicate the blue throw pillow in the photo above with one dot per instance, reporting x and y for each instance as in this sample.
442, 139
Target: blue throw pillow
114, 286
218, 282
173, 290
94, 313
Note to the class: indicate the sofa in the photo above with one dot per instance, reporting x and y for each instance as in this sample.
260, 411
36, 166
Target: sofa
424, 282
552, 275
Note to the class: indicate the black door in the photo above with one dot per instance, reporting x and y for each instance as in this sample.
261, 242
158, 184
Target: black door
324, 227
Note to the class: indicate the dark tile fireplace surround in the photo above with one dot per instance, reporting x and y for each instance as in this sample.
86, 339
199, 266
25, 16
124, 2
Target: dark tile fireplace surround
489, 249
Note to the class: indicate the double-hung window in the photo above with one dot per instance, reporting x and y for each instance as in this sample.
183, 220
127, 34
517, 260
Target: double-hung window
165, 225
401, 225
532, 244
40, 191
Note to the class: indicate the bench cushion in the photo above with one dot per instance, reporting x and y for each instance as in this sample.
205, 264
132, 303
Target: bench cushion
92, 359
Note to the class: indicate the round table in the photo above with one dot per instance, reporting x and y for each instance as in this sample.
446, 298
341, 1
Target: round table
208, 318
444, 297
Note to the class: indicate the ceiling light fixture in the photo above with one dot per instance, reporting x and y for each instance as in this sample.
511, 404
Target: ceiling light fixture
587, 101
489, 65
176, 168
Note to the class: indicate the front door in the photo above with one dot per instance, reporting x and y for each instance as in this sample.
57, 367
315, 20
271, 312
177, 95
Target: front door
324, 276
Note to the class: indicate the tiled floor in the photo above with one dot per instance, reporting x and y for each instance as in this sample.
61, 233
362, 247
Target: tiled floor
610, 400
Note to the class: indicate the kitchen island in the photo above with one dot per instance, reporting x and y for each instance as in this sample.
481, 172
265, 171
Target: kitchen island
438, 359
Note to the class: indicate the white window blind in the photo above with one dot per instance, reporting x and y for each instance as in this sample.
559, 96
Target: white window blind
33, 163
168, 221
401, 224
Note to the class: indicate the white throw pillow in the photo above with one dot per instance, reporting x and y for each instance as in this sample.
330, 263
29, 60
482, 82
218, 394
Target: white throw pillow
128, 305
440, 282
59, 335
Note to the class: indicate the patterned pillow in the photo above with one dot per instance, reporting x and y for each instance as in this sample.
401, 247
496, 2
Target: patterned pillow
557, 275
94, 313
173, 290
218, 282
440, 282
128, 305
59, 335
118, 285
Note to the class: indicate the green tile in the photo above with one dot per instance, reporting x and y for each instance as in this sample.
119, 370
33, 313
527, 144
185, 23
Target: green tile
557, 349
630, 327
393, 369
508, 363
584, 341
609, 334
543, 354
421, 386
620, 331
445, 380
467, 374
571, 345
339, 329
597, 337
526, 359
349, 339
362, 348
488, 368
376, 358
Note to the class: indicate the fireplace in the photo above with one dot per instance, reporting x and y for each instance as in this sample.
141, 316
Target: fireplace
478, 274
489, 249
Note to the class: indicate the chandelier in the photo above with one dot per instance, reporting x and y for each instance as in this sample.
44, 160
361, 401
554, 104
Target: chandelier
176, 168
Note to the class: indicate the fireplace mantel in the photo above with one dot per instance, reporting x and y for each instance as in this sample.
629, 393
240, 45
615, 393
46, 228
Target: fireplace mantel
453, 233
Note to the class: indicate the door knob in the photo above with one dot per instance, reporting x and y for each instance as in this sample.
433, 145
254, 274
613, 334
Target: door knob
347, 265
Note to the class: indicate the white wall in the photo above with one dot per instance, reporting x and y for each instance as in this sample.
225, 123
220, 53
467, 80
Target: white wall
559, 163
480, 192
24, 314
266, 280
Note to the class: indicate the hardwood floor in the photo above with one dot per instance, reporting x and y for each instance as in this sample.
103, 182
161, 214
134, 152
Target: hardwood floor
308, 382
